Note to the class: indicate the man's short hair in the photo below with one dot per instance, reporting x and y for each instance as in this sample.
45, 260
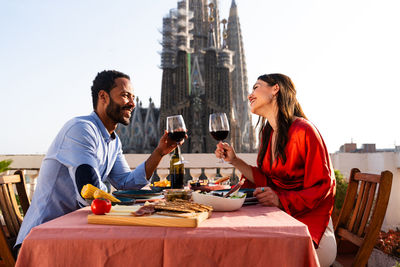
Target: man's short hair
105, 81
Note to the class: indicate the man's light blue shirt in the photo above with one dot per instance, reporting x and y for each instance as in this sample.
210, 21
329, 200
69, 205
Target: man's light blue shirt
82, 140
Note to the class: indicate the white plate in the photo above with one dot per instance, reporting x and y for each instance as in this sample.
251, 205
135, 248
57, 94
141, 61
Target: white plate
219, 203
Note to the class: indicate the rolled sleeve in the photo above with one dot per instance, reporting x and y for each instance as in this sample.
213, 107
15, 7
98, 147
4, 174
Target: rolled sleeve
137, 176
121, 176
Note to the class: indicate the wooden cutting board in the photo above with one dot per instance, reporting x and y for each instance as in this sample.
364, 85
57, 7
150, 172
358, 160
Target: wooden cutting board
121, 215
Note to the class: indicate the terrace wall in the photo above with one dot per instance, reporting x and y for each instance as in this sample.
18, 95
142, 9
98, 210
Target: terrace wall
344, 162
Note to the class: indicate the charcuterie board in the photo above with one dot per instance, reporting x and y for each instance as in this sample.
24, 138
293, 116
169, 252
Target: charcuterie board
122, 215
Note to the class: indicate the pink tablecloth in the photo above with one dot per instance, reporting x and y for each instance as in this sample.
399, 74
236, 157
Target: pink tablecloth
252, 236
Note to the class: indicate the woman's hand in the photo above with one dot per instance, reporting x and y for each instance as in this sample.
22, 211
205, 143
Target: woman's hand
267, 197
225, 151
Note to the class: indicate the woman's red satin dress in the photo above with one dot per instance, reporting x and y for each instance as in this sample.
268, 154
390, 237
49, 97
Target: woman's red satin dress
305, 184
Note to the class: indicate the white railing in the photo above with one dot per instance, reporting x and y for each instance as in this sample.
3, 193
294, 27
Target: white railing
199, 166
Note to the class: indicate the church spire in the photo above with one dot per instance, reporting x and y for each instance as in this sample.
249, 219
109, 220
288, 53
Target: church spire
224, 34
198, 73
233, 9
235, 43
211, 35
239, 74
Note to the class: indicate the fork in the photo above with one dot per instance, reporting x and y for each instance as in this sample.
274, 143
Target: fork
235, 188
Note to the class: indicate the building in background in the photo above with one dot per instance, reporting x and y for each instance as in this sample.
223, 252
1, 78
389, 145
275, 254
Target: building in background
204, 71
365, 148
142, 134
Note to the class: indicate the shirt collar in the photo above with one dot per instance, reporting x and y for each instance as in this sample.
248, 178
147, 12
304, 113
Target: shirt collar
106, 135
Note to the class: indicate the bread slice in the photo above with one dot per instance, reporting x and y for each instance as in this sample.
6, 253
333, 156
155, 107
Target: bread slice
176, 214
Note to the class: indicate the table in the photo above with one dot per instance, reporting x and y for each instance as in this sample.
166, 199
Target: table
251, 236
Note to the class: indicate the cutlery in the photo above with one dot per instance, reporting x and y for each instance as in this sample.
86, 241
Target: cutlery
235, 188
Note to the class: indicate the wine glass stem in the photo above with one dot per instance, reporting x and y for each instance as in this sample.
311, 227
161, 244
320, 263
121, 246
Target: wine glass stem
221, 160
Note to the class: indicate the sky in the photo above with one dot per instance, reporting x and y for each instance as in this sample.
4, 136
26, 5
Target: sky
342, 55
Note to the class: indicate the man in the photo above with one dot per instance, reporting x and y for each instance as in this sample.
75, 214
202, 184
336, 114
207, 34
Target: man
87, 150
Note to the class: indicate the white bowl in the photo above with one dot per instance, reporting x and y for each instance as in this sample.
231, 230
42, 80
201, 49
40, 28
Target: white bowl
219, 203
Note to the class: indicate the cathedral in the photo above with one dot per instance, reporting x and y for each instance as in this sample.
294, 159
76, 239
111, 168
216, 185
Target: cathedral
142, 134
203, 72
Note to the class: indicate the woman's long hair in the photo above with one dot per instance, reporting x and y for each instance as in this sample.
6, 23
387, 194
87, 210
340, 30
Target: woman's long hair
288, 107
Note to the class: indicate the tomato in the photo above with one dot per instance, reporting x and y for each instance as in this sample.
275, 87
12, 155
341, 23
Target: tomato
100, 206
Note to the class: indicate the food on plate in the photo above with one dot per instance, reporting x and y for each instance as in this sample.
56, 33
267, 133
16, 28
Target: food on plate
208, 185
183, 206
100, 206
89, 191
174, 208
173, 194
144, 210
222, 179
177, 208
176, 214
220, 203
222, 194
163, 183
195, 206
194, 183
197, 183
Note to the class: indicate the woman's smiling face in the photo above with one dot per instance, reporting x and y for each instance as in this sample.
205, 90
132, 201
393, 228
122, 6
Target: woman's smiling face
261, 98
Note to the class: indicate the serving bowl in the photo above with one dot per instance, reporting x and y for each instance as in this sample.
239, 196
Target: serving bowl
220, 203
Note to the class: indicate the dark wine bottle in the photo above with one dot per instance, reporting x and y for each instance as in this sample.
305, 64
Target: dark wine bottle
176, 171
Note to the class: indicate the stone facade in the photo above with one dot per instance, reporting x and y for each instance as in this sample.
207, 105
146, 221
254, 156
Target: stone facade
142, 134
204, 73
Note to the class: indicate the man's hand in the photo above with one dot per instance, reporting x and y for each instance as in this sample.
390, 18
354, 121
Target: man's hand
267, 197
167, 145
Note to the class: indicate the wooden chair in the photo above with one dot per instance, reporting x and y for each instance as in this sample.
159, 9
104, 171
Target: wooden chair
362, 215
11, 214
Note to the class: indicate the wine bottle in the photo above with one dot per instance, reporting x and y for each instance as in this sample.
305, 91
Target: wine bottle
176, 171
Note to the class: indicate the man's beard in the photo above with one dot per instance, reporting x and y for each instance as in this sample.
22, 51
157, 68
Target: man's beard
114, 111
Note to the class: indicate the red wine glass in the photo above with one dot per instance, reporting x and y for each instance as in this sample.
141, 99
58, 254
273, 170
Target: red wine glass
219, 127
176, 129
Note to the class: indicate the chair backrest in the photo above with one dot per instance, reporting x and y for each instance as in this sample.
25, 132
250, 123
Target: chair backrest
11, 210
363, 211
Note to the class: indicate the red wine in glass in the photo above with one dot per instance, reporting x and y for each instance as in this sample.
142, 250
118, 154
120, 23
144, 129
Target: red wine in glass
219, 127
177, 136
219, 135
176, 129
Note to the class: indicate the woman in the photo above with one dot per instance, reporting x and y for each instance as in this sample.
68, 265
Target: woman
294, 171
